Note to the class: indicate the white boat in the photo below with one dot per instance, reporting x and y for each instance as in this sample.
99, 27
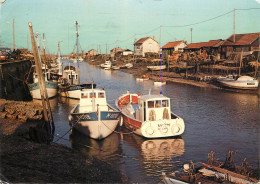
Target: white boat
129, 65
115, 67
159, 83
93, 116
34, 88
168, 180
242, 82
149, 115
159, 67
143, 78
106, 65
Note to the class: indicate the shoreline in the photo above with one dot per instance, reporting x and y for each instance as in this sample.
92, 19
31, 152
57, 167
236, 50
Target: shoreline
140, 69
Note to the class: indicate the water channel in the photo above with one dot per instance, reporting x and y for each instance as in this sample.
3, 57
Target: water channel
215, 120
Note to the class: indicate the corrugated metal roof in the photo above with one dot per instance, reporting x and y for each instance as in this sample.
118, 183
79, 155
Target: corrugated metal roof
172, 44
241, 39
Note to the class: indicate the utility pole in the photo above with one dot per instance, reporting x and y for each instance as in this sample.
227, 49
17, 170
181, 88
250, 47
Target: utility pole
191, 35
27, 42
44, 96
234, 27
13, 36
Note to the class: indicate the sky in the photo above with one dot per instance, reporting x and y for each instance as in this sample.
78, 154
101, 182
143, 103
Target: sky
105, 24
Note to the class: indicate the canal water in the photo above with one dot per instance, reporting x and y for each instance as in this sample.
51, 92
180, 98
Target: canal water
215, 120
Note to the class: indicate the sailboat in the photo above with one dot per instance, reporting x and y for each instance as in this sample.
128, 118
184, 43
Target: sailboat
70, 75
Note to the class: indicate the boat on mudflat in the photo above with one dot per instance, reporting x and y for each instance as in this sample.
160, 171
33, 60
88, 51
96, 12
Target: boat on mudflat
149, 115
143, 78
156, 68
93, 116
242, 82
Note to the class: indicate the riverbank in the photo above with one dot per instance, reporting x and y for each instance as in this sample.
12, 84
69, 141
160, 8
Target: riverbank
198, 80
23, 160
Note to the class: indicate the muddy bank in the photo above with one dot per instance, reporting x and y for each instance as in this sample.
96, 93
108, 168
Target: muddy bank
23, 160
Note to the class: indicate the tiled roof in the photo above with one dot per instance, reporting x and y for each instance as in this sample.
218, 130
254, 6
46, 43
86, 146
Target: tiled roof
241, 39
140, 41
171, 44
211, 43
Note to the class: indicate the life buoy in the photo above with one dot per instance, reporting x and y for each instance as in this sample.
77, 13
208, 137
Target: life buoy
164, 129
176, 128
150, 130
152, 115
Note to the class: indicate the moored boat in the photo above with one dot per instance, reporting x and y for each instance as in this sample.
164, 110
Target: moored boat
149, 115
159, 83
106, 65
93, 116
242, 82
143, 78
159, 67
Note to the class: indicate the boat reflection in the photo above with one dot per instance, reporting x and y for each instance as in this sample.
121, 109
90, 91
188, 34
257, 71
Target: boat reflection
68, 101
101, 149
53, 102
158, 155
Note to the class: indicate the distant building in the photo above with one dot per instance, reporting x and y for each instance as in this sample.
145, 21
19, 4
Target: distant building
210, 46
127, 52
248, 42
92, 52
170, 47
145, 45
114, 51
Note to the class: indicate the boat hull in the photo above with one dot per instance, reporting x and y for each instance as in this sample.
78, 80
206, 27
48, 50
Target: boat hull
51, 87
74, 91
93, 125
248, 85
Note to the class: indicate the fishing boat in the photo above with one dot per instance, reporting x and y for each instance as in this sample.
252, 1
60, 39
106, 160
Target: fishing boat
149, 115
34, 88
155, 68
93, 116
143, 78
115, 67
242, 82
70, 86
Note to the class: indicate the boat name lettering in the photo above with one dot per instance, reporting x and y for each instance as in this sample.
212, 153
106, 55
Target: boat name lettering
166, 124
112, 115
85, 116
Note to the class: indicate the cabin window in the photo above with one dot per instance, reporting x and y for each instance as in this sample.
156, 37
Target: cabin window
69, 76
76, 76
101, 95
92, 95
150, 104
165, 103
158, 103
84, 95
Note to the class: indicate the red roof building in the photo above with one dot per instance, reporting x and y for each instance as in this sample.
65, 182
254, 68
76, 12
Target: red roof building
170, 47
146, 45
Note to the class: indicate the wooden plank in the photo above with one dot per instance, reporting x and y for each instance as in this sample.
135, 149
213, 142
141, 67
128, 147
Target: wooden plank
230, 173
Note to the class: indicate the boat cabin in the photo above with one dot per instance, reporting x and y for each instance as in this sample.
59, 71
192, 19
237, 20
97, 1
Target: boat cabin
93, 100
153, 108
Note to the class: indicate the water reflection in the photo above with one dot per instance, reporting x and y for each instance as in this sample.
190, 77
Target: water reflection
102, 149
53, 102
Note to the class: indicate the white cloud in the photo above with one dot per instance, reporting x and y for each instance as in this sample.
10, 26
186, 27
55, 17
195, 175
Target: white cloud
258, 1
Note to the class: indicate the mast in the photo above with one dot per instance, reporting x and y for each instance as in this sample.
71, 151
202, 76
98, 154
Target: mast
234, 27
44, 57
77, 44
161, 59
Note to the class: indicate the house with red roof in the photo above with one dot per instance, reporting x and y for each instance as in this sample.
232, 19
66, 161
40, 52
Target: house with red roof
248, 42
145, 45
170, 47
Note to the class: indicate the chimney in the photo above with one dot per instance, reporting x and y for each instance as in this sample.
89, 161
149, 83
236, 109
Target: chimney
153, 37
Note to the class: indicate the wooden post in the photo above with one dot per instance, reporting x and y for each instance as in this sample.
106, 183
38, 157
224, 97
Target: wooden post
191, 35
44, 96
234, 32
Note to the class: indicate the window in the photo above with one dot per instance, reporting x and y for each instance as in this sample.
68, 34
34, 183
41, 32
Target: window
165, 103
158, 103
150, 104
92, 95
76, 76
101, 95
84, 95
69, 76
